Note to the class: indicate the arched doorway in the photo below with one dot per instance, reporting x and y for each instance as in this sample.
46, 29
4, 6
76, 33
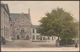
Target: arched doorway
22, 33
27, 37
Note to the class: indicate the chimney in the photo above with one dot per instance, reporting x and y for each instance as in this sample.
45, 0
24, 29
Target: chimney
29, 11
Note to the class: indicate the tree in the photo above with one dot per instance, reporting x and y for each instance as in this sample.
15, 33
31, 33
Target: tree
59, 23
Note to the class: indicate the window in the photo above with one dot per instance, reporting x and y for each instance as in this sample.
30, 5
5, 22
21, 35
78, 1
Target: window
37, 30
33, 30
22, 31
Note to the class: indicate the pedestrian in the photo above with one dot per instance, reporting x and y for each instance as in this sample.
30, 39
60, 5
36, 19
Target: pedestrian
76, 45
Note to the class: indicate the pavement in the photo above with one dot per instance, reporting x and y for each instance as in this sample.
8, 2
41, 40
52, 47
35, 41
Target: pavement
27, 44
19, 44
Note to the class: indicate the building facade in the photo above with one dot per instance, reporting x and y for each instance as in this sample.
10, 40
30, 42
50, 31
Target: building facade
21, 26
36, 36
5, 22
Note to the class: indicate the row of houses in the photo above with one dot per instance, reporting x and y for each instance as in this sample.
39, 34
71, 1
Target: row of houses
18, 26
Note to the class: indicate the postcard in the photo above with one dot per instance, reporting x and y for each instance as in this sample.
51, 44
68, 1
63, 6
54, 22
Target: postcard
39, 26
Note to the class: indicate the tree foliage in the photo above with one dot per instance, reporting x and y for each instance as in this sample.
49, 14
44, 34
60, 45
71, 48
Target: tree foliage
59, 23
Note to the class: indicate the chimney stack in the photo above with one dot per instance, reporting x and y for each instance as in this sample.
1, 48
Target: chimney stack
29, 11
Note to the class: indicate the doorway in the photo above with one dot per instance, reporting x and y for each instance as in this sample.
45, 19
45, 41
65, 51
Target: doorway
18, 37
27, 37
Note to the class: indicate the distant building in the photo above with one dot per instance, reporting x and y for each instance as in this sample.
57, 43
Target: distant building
36, 36
5, 22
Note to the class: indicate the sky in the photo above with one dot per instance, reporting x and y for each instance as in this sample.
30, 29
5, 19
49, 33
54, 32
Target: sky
38, 9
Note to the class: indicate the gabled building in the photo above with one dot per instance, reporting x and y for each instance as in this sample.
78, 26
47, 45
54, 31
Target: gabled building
21, 26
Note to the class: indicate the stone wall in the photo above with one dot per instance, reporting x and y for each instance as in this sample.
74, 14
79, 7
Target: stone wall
21, 26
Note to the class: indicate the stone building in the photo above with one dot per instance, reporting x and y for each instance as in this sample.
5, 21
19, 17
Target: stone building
21, 26
5, 22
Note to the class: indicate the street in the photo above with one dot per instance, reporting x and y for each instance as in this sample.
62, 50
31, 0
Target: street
21, 45
28, 44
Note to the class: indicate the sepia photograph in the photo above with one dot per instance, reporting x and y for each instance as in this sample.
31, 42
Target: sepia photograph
39, 25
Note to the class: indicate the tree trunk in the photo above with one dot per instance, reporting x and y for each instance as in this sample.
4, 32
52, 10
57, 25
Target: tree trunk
58, 42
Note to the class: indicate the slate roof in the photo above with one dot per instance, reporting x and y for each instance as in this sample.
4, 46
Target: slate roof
14, 16
5, 7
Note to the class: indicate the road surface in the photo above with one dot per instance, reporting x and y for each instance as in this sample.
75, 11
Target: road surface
29, 46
